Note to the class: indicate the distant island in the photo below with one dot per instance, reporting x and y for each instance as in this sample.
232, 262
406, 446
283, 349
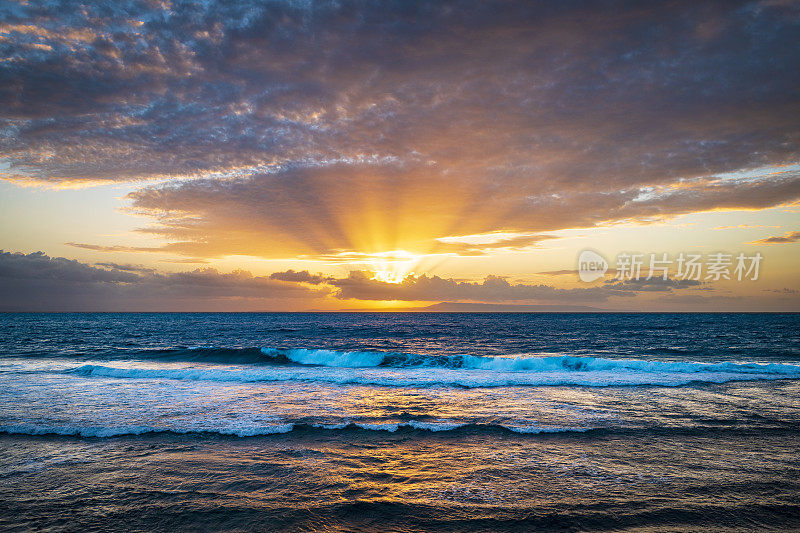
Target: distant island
456, 307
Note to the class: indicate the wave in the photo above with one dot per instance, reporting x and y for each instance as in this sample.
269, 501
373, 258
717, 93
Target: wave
521, 363
208, 354
277, 429
515, 364
419, 427
603, 373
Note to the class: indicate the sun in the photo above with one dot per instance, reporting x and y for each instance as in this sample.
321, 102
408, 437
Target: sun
393, 266
389, 276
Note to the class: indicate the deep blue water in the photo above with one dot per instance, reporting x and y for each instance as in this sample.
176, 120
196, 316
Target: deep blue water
707, 336
412, 422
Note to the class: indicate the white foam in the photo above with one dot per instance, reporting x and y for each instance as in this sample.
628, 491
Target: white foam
650, 374
435, 426
390, 427
331, 357
523, 363
533, 430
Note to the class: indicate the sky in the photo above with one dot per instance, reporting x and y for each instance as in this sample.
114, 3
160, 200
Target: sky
287, 156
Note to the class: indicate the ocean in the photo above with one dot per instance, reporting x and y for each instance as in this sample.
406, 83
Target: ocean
399, 422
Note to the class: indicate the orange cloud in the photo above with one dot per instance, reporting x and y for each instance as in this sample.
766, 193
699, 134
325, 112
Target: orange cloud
788, 237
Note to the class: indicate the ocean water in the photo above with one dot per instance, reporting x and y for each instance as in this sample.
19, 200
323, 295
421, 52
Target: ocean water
399, 422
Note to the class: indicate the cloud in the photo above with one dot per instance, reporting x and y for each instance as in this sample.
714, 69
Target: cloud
786, 291
113, 248
360, 285
38, 282
298, 277
126, 267
486, 243
285, 129
563, 272
187, 260
396, 207
745, 226
38, 266
789, 236
654, 284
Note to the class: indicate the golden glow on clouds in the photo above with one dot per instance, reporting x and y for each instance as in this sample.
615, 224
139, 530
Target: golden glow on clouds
388, 267
482, 238
388, 276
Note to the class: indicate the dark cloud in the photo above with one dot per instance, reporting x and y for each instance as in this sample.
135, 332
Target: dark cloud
298, 277
360, 285
126, 267
654, 284
789, 236
41, 283
38, 266
389, 207
38, 282
786, 291
325, 127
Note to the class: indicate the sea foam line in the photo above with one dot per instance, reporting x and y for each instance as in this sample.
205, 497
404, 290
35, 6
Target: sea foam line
438, 377
539, 363
269, 356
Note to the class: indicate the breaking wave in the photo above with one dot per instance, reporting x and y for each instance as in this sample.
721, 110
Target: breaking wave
535, 363
514, 364
404, 370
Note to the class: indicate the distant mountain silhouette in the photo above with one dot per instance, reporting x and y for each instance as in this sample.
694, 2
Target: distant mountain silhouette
456, 307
